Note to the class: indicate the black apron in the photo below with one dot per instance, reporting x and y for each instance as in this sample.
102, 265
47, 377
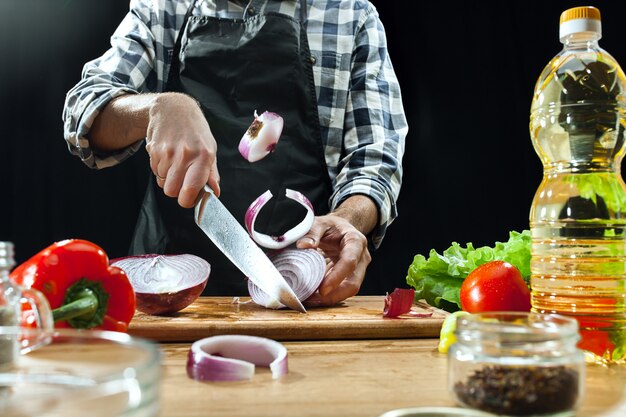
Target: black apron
234, 67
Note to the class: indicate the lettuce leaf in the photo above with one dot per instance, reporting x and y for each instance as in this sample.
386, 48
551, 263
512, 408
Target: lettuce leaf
605, 185
438, 278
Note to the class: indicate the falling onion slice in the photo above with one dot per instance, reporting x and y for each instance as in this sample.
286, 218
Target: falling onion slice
261, 137
233, 358
303, 269
279, 242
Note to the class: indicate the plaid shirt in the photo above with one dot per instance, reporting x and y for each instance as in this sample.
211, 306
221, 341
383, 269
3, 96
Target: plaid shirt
360, 108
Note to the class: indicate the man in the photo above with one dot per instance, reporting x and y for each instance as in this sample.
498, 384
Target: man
185, 77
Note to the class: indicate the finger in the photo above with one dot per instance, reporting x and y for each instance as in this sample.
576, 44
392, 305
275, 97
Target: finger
154, 162
312, 238
195, 178
174, 181
160, 181
315, 300
162, 168
346, 264
348, 288
214, 179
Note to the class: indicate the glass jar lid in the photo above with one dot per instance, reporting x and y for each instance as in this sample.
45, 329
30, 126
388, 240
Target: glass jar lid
435, 412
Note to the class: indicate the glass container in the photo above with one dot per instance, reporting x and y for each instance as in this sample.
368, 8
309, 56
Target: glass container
578, 214
78, 373
517, 364
12, 297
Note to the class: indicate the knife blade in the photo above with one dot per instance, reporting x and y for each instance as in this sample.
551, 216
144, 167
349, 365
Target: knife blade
232, 239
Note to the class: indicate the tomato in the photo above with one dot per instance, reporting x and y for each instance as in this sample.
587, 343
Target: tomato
495, 286
596, 341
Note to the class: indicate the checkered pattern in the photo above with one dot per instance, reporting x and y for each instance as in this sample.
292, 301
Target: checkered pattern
360, 108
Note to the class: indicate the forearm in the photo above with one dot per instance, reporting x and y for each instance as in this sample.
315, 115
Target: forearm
122, 122
125, 119
360, 211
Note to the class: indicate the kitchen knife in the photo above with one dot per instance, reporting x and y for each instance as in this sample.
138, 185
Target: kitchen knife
233, 240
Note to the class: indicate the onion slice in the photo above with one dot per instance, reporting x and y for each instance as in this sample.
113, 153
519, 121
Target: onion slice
398, 302
279, 242
261, 137
233, 358
303, 269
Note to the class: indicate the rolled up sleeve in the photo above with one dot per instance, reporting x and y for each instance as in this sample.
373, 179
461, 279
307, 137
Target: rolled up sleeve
128, 67
375, 129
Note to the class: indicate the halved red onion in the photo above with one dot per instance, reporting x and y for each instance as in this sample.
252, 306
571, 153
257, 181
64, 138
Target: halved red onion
165, 284
303, 269
261, 137
282, 241
398, 302
233, 358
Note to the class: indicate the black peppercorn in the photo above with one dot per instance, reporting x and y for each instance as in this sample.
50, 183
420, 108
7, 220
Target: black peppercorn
520, 390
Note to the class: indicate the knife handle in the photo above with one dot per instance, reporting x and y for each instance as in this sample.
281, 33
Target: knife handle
205, 189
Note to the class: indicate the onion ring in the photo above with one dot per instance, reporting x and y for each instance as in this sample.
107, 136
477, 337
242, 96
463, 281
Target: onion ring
233, 358
289, 237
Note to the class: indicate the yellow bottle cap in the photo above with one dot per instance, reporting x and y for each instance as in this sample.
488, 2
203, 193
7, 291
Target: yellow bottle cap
588, 12
580, 19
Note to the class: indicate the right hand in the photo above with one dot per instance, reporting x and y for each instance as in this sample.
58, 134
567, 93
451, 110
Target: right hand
182, 148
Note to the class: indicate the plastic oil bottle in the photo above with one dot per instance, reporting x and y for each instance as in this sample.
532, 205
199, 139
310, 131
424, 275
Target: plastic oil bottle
578, 215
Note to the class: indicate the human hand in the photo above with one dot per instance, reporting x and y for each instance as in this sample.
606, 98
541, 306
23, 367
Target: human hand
182, 148
345, 249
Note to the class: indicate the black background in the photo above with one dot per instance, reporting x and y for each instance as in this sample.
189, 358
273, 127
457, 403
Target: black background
467, 72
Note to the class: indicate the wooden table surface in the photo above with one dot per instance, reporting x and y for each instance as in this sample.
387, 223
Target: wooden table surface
360, 378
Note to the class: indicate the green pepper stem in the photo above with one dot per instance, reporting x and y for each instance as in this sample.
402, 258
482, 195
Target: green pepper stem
85, 305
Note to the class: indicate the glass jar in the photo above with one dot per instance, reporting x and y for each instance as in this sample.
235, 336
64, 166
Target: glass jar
521, 364
82, 373
12, 297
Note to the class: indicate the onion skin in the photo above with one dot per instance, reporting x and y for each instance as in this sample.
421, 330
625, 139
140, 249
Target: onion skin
166, 303
398, 302
233, 358
303, 269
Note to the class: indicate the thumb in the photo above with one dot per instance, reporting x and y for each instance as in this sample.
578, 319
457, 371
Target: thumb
311, 239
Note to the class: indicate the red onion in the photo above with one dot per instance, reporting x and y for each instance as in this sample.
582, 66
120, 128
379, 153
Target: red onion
261, 137
233, 358
165, 284
398, 302
279, 242
303, 269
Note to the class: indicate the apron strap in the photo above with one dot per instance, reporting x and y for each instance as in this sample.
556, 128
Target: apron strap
179, 40
303, 12
221, 4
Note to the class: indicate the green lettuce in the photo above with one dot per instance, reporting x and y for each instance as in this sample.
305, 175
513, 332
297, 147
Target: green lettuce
438, 278
605, 185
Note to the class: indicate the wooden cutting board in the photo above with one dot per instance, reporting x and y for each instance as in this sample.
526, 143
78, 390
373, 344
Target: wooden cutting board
356, 318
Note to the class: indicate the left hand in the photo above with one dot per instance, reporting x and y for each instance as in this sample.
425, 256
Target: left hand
345, 249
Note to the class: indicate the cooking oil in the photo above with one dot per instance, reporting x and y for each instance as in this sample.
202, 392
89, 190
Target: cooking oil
578, 215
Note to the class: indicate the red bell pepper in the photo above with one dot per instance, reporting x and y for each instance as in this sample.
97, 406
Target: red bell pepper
83, 290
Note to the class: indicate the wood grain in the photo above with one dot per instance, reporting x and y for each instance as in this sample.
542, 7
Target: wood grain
357, 318
348, 378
